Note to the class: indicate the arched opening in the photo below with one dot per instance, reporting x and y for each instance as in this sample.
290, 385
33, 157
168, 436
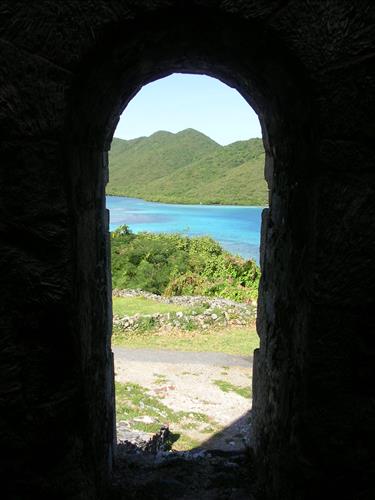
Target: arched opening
222, 47
178, 289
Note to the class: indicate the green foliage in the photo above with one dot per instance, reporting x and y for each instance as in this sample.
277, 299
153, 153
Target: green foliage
186, 284
145, 324
188, 167
123, 230
145, 261
226, 386
172, 264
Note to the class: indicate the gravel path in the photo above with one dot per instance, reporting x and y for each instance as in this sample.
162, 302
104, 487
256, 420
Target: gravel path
187, 381
181, 357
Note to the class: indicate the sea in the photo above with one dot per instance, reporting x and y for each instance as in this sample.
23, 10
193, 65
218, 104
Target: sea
236, 228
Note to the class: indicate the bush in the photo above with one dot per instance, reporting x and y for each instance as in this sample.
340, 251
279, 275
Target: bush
145, 324
186, 284
172, 264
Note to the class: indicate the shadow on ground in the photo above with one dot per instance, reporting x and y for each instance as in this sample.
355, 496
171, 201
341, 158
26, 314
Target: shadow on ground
204, 473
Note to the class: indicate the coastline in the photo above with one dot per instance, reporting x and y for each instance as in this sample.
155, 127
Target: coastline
191, 203
236, 228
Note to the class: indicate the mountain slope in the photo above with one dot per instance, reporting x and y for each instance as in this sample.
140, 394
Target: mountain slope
139, 161
188, 167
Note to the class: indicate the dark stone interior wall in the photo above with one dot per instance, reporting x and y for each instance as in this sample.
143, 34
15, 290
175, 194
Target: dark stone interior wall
67, 70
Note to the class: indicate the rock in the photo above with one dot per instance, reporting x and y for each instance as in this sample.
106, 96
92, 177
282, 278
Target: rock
132, 441
159, 440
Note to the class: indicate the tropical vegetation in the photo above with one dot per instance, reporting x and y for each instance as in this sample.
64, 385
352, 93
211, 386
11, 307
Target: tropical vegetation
173, 264
188, 167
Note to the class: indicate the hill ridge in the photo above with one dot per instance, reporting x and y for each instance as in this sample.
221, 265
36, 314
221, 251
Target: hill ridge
188, 167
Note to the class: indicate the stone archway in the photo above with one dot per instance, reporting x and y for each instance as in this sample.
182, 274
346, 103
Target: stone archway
67, 72
160, 46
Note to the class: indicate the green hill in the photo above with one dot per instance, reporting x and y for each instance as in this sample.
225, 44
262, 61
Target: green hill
188, 167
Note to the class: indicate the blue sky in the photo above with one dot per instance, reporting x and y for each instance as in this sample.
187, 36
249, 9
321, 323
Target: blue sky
184, 101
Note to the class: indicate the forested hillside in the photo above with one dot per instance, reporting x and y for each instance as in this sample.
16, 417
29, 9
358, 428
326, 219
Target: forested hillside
188, 167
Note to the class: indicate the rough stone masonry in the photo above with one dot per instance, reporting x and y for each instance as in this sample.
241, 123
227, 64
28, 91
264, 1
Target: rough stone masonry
67, 71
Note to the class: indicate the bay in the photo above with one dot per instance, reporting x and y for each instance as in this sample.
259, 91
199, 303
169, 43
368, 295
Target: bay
236, 228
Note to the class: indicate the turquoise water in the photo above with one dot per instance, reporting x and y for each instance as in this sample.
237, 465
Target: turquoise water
236, 228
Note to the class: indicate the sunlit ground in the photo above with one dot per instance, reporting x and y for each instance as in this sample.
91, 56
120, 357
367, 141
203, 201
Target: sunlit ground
204, 399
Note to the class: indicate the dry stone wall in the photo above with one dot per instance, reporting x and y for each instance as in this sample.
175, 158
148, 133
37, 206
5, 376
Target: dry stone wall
203, 313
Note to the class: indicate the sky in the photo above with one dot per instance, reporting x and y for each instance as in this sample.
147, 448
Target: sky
183, 101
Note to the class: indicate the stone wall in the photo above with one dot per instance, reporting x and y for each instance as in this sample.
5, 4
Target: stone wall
184, 300
197, 313
67, 71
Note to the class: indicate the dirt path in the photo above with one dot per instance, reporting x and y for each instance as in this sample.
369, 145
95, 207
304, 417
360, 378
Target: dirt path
178, 357
214, 384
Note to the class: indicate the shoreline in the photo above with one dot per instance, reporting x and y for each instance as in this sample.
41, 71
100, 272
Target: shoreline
189, 203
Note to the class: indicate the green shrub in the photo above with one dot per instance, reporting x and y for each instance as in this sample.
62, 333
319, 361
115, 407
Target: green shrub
172, 264
186, 284
145, 324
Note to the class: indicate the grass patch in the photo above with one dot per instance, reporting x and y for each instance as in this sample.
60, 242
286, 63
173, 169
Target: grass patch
225, 386
240, 341
145, 325
129, 306
133, 400
160, 379
182, 442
